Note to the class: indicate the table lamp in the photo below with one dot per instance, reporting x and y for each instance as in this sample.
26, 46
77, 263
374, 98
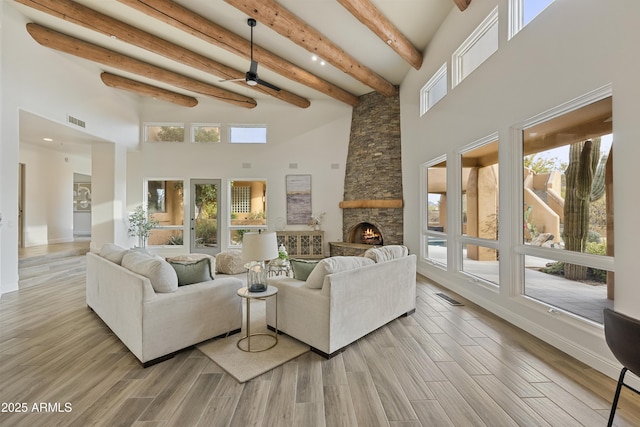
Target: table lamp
258, 246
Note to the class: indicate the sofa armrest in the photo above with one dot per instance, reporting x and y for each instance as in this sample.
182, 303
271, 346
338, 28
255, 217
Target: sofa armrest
303, 313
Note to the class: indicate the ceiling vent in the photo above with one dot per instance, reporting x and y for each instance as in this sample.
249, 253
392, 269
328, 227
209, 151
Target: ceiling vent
76, 121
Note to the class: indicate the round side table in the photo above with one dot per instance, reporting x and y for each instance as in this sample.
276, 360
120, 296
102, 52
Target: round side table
248, 296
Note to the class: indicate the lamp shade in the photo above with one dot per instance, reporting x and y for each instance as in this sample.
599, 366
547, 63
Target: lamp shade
259, 246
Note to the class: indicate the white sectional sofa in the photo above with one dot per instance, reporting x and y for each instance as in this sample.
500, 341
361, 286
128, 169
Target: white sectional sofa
345, 298
156, 323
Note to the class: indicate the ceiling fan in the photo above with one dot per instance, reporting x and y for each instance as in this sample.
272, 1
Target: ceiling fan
251, 77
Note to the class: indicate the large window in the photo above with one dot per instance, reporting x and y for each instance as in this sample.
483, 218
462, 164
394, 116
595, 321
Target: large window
165, 204
480, 209
479, 46
521, 12
567, 212
248, 208
434, 212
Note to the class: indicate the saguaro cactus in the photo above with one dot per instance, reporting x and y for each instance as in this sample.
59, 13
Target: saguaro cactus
580, 191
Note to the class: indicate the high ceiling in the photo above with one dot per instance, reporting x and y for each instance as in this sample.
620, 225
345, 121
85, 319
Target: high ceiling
339, 30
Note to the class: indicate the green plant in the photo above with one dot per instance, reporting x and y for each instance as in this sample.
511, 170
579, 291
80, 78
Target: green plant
141, 224
207, 231
256, 215
175, 238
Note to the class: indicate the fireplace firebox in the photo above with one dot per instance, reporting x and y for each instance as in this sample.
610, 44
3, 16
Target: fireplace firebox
366, 233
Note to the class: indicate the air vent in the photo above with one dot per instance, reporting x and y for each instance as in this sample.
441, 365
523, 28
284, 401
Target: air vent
76, 121
448, 299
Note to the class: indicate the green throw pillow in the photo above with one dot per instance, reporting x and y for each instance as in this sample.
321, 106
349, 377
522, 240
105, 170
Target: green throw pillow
302, 268
192, 272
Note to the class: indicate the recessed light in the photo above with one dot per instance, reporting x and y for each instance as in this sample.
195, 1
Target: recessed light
48, 139
314, 58
322, 62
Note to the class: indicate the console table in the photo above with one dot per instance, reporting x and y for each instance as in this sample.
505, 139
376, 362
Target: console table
302, 244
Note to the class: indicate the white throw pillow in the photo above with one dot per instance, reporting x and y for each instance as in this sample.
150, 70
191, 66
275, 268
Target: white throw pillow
162, 276
387, 253
334, 265
230, 262
113, 252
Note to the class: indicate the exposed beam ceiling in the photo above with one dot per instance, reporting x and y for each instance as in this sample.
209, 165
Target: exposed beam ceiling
82, 49
370, 16
89, 18
462, 4
289, 25
124, 83
197, 44
180, 17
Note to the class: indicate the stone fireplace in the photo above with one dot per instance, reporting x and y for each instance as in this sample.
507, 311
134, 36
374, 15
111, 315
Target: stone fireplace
372, 207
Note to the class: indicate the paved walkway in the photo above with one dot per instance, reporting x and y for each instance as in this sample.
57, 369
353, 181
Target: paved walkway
584, 300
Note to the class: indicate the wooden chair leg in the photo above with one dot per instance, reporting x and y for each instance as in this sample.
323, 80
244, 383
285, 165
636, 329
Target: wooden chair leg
616, 397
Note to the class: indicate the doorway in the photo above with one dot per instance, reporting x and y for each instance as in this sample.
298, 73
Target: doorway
205, 218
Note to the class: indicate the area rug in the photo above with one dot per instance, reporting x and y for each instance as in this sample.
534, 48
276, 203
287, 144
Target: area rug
243, 365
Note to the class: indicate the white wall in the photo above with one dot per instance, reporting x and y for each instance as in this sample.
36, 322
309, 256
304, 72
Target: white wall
48, 208
52, 85
572, 48
314, 138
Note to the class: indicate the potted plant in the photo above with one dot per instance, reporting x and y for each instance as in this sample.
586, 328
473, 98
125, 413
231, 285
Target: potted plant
140, 225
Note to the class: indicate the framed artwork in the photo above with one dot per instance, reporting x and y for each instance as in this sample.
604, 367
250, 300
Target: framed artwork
298, 190
82, 196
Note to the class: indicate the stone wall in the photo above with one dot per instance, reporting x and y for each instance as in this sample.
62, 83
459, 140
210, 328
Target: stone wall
374, 166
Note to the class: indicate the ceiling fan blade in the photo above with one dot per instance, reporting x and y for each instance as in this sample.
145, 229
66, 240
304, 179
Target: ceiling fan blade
269, 85
231, 80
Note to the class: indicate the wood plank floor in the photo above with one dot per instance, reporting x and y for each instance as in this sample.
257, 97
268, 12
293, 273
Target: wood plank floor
443, 366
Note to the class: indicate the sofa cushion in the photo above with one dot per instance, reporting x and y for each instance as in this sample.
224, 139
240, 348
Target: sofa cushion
230, 262
193, 258
302, 268
192, 272
162, 276
113, 252
387, 253
334, 265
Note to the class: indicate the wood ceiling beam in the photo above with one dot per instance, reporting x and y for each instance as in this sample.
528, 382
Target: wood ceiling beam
462, 4
295, 29
184, 19
369, 15
134, 86
67, 44
81, 15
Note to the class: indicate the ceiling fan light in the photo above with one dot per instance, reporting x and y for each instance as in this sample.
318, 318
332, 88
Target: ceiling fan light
252, 82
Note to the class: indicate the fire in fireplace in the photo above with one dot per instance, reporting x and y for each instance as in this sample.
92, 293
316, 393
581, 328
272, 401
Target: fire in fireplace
366, 233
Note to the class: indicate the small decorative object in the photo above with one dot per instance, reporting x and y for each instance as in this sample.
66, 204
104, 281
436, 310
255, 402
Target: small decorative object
258, 247
140, 225
316, 220
282, 253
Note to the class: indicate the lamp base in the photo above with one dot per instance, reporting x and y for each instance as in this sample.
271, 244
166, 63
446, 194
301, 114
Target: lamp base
257, 287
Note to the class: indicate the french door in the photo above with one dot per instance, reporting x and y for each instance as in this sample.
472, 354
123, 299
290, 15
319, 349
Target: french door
205, 218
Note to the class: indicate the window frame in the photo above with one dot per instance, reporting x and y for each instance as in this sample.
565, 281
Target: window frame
458, 74
147, 125
180, 227
192, 132
426, 233
463, 239
427, 89
231, 127
516, 16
